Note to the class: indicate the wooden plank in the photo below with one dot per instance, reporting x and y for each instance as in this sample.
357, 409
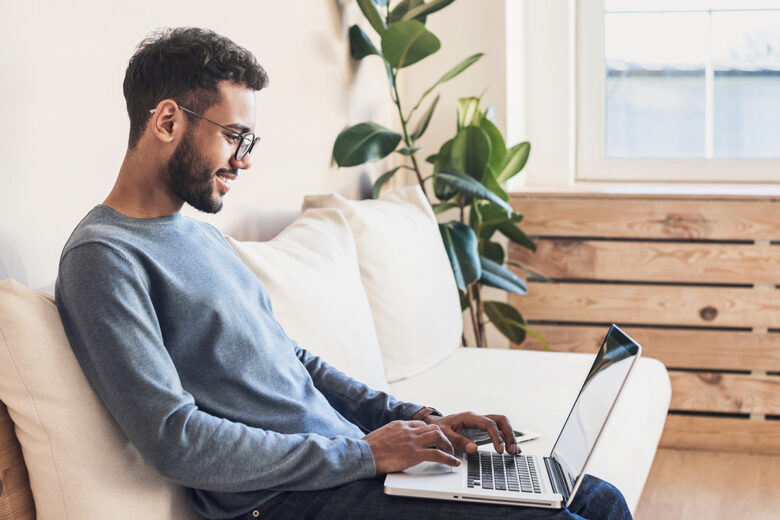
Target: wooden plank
721, 434
649, 304
723, 392
652, 261
649, 217
676, 348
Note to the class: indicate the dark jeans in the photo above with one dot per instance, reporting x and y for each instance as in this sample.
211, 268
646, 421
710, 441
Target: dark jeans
365, 499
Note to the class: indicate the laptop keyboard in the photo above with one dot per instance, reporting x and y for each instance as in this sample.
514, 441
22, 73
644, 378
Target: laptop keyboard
505, 473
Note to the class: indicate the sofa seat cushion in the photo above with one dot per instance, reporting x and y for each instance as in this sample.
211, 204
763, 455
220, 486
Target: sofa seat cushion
81, 466
407, 277
311, 273
537, 391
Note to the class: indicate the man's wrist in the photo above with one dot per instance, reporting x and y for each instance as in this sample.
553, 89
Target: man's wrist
426, 413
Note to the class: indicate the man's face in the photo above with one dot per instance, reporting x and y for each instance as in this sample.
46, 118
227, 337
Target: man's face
203, 166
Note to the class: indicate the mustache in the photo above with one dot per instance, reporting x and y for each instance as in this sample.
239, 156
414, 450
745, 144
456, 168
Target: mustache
231, 172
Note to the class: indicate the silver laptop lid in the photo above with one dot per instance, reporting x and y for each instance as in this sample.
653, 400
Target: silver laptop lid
593, 405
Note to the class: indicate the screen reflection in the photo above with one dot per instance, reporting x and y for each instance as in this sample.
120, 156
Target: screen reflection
592, 406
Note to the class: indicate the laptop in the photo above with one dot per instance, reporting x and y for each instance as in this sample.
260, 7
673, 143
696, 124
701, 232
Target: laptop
534, 480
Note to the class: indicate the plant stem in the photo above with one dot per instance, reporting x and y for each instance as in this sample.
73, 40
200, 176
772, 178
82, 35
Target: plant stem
407, 140
474, 324
480, 324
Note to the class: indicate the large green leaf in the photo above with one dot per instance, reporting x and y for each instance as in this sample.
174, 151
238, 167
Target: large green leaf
364, 142
496, 275
405, 43
492, 214
516, 157
467, 185
471, 151
493, 251
507, 320
402, 8
454, 71
359, 44
489, 180
460, 242
372, 15
441, 189
495, 216
422, 124
468, 112
426, 9
516, 235
497, 145
382, 180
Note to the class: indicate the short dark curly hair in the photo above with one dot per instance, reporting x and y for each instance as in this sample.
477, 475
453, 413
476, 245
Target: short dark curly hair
185, 64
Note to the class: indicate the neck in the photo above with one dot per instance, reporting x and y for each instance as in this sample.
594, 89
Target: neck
140, 190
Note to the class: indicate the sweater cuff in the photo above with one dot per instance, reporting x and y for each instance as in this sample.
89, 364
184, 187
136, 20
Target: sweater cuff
368, 465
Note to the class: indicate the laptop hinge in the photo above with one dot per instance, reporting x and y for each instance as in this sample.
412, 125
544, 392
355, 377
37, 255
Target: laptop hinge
558, 480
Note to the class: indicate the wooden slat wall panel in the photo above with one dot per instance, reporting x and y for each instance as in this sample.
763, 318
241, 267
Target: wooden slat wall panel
725, 393
676, 348
661, 265
652, 261
650, 304
721, 434
649, 217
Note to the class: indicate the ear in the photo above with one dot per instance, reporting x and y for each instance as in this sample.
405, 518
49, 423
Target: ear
166, 121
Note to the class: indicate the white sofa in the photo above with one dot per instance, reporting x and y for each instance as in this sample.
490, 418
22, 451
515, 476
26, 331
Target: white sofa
364, 284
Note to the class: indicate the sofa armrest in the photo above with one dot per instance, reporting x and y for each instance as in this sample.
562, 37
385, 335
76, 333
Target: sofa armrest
536, 391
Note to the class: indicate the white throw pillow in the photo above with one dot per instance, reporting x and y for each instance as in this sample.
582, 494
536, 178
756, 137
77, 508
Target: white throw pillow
407, 277
81, 465
311, 272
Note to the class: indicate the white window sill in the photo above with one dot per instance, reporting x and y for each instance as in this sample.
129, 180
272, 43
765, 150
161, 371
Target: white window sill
656, 188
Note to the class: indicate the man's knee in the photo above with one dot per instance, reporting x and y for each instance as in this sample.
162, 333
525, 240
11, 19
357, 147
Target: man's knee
597, 498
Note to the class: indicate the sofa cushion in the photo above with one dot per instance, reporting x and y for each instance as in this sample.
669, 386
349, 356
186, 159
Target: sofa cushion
311, 272
81, 466
407, 276
537, 391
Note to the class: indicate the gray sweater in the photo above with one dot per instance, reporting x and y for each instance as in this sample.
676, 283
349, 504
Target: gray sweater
178, 338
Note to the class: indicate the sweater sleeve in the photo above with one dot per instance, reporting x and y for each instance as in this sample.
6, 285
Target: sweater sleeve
111, 323
368, 409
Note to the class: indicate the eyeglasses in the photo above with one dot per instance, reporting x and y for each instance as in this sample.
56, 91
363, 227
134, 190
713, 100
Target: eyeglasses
246, 141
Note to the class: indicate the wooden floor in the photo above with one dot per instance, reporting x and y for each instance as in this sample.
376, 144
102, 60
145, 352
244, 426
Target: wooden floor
686, 484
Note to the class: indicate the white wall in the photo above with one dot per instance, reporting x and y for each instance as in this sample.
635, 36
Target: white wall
464, 28
63, 129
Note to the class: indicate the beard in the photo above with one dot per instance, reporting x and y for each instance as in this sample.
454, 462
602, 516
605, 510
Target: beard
191, 178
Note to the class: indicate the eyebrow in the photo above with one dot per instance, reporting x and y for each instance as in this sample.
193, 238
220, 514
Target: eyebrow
238, 126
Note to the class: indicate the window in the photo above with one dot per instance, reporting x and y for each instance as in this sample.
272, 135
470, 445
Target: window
678, 90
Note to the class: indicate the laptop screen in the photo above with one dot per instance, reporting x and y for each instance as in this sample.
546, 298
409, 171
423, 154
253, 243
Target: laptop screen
593, 404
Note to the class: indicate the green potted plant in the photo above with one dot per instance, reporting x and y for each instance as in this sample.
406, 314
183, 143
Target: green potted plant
466, 174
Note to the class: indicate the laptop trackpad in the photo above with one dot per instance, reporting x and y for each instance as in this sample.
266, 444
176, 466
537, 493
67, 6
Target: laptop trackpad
429, 468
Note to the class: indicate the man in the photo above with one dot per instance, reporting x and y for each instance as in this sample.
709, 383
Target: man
177, 336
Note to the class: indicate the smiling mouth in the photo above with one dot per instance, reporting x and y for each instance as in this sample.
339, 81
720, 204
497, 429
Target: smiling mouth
225, 180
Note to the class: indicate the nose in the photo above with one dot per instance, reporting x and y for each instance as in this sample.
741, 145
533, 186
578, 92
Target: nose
243, 164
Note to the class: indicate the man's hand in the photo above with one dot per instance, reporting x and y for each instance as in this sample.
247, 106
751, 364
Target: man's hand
497, 426
402, 444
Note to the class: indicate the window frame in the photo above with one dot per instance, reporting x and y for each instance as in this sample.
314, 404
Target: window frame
592, 165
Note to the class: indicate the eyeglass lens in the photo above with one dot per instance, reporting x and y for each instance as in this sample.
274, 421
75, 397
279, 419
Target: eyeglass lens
246, 146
